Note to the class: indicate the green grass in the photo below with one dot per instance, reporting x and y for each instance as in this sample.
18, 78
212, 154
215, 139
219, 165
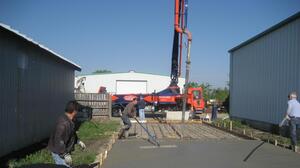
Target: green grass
95, 130
88, 131
42, 156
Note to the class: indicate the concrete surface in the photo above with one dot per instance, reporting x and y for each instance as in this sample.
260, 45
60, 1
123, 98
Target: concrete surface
179, 130
136, 153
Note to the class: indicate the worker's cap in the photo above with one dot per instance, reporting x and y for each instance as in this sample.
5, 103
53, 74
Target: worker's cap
293, 95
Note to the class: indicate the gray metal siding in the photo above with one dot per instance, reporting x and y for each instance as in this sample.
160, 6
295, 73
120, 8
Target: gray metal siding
263, 72
34, 90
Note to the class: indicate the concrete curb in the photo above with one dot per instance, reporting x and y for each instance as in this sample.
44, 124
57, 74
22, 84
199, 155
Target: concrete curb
104, 149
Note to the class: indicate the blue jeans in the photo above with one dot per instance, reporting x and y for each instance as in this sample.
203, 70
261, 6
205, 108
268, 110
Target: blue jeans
142, 114
126, 122
58, 160
294, 123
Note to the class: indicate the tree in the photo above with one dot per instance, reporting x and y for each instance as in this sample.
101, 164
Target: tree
101, 71
221, 94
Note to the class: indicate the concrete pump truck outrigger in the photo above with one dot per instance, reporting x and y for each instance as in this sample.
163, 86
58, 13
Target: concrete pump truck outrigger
171, 98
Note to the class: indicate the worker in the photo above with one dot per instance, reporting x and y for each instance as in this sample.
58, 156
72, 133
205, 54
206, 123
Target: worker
63, 139
129, 111
293, 114
141, 107
214, 111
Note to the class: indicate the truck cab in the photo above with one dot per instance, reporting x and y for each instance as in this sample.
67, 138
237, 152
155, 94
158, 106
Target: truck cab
195, 100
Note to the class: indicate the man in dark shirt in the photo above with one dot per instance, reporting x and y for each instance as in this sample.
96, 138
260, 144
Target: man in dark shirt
63, 139
129, 111
141, 107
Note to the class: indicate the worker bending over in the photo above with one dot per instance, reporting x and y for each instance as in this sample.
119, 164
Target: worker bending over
63, 139
129, 111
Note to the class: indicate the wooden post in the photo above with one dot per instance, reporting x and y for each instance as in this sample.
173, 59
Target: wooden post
230, 127
100, 159
218, 125
113, 138
275, 143
244, 131
109, 105
105, 154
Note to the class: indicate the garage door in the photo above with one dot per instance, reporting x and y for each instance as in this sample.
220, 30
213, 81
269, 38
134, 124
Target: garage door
131, 86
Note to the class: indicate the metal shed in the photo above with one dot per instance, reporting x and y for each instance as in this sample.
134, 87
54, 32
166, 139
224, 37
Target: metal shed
263, 70
35, 85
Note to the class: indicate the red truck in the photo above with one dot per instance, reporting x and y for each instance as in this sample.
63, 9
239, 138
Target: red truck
171, 98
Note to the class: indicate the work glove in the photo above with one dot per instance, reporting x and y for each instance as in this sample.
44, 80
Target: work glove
68, 159
81, 144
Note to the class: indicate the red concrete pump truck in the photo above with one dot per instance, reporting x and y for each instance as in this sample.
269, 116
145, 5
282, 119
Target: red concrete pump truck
171, 98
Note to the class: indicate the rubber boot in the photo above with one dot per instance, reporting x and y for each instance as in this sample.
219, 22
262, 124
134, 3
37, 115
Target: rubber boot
294, 148
126, 134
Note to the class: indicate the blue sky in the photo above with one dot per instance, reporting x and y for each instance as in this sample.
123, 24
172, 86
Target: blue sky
137, 35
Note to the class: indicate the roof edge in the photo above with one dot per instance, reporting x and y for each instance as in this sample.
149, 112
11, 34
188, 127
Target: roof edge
113, 73
267, 31
7, 27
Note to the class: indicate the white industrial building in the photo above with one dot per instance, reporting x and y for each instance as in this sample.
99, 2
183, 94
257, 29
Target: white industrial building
124, 83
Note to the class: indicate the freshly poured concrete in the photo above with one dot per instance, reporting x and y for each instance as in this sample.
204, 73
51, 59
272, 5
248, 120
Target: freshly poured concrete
137, 153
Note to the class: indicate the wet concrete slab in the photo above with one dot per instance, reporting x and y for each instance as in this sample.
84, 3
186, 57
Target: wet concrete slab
179, 131
210, 153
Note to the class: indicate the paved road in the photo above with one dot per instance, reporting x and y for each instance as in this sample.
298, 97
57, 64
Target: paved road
136, 153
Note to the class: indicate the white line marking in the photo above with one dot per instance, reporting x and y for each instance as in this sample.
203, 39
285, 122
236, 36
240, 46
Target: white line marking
162, 146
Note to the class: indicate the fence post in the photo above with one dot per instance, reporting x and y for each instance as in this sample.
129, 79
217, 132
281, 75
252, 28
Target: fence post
109, 105
230, 126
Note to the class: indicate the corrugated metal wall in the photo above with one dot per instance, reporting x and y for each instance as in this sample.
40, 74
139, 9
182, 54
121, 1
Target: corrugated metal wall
262, 74
34, 89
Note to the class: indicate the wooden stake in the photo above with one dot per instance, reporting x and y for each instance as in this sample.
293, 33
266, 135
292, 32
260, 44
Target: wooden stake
100, 159
275, 143
230, 127
105, 154
244, 131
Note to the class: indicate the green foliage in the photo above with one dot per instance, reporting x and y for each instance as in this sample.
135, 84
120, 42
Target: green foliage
101, 71
83, 157
221, 94
42, 156
93, 130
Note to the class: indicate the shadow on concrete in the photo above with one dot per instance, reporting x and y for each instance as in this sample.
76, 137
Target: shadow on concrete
251, 153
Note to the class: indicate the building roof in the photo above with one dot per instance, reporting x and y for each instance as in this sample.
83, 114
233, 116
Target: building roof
129, 72
271, 29
76, 67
